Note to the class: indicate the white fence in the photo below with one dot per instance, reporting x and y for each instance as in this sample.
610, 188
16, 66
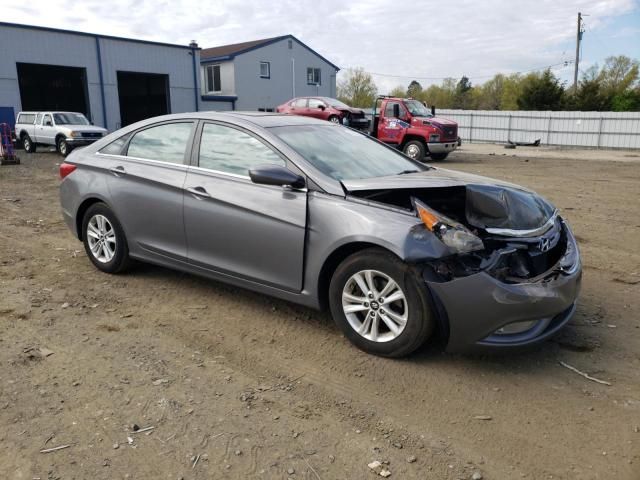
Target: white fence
574, 129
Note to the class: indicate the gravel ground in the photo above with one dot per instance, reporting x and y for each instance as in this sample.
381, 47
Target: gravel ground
238, 385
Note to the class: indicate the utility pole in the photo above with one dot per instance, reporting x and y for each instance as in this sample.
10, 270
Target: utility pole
578, 40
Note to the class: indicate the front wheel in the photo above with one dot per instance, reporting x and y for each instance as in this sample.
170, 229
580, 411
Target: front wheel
380, 304
334, 119
104, 239
63, 147
415, 150
439, 156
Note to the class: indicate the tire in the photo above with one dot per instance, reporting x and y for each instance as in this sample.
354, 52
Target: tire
28, 144
334, 119
63, 147
439, 156
415, 150
115, 258
413, 307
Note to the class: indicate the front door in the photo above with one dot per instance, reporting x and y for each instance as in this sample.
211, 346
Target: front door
234, 226
146, 181
391, 128
317, 108
45, 132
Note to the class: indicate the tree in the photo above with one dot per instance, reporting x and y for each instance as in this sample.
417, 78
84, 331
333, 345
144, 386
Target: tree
619, 74
489, 95
414, 90
398, 92
542, 92
627, 101
462, 97
590, 95
441, 96
358, 88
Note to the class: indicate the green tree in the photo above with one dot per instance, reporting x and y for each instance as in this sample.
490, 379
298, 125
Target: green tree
488, 96
414, 90
627, 101
441, 96
398, 92
542, 92
462, 98
511, 91
358, 88
590, 95
618, 74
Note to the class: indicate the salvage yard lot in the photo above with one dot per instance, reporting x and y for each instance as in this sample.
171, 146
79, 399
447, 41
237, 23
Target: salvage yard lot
239, 385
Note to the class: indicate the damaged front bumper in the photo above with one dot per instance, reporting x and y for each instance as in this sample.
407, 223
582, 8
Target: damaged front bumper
484, 311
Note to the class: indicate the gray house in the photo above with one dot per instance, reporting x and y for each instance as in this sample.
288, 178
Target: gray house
262, 74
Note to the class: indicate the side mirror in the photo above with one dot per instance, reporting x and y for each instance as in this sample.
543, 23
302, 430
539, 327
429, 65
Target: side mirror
433, 110
396, 110
321, 107
275, 175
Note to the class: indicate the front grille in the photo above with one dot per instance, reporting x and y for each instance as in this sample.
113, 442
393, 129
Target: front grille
450, 132
91, 135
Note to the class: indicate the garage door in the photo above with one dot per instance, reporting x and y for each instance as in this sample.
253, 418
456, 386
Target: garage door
53, 87
142, 95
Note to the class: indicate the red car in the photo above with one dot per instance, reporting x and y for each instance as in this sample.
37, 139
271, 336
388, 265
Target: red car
326, 108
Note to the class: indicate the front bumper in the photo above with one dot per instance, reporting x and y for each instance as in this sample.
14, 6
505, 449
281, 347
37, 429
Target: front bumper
81, 141
444, 147
478, 305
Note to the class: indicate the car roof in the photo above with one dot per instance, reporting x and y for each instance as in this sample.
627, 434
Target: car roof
262, 119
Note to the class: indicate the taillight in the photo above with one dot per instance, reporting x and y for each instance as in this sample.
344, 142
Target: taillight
66, 169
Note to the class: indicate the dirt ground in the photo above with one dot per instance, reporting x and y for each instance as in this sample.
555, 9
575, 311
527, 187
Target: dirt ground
238, 385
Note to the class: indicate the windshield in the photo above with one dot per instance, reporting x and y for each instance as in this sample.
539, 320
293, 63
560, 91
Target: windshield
70, 119
344, 154
417, 109
336, 103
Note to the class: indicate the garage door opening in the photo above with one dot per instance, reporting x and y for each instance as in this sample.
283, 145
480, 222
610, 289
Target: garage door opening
142, 95
53, 87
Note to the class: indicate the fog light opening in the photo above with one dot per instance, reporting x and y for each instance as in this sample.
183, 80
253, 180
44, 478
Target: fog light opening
516, 327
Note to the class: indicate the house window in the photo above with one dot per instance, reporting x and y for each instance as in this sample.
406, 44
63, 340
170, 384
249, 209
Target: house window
290, 43
213, 79
265, 70
313, 76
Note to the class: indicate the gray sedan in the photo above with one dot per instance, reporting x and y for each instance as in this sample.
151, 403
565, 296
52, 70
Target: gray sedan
322, 215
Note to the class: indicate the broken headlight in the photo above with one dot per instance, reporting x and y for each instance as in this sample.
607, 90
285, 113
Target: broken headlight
453, 234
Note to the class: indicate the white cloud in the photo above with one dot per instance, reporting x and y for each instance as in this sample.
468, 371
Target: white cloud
418, 38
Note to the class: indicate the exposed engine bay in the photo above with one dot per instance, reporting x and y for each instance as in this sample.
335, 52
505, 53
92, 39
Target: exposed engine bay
514, 234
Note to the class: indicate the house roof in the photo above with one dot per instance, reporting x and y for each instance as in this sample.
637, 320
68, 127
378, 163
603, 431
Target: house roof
228, 52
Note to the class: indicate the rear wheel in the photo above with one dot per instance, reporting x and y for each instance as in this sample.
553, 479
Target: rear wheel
28, 144
439, 156
104, 240
415, 150
380, 304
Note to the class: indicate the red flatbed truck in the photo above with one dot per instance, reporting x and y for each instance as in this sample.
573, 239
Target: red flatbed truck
410, 126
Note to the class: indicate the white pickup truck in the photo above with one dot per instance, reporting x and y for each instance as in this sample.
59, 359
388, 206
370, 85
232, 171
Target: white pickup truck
64, 130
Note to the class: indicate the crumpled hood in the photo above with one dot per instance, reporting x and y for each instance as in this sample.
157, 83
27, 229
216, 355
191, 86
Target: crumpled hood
489, 203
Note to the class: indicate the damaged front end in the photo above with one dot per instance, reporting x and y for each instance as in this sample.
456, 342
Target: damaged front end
512, 275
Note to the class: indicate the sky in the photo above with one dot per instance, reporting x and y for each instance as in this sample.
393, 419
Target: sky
395, 41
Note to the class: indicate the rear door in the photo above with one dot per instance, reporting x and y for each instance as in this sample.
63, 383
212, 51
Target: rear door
299, 107
234, 226
147, 170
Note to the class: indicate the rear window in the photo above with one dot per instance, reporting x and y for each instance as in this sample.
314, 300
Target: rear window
163, 143
27, 118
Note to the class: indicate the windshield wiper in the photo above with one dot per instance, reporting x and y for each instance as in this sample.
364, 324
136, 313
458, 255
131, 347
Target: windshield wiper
404, 172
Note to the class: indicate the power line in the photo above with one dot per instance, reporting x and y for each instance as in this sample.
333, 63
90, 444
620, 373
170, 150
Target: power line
564, 63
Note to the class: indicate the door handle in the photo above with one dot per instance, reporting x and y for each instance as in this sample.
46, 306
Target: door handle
198, 192
119, 170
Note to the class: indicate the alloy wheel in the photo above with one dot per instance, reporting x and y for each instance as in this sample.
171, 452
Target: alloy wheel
375, 306
101, 238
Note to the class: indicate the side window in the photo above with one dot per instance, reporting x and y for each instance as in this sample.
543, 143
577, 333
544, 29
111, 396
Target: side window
115, 147
315, 103
229, 150
388, 110
164, 143
265, 70
39, 119
47, 120
300, 103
